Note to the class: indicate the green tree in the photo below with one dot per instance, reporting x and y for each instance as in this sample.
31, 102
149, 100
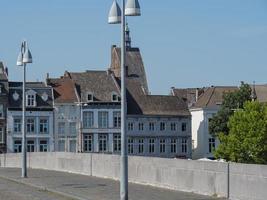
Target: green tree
231, 102
247, 138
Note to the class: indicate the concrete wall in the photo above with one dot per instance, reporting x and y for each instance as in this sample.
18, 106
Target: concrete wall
210, 178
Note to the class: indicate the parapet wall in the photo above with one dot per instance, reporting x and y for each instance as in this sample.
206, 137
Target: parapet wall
202, 177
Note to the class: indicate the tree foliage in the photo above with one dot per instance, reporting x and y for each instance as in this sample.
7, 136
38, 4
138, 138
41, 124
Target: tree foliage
247, 138
231, 102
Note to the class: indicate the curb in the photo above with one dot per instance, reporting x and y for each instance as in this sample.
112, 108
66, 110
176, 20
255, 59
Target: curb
42, 188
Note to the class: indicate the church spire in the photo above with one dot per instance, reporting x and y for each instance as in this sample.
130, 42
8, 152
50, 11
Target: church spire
128, 40
253, 93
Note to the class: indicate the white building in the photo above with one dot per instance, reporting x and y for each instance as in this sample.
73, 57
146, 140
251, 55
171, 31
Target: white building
39, 117
207, 105
66, 114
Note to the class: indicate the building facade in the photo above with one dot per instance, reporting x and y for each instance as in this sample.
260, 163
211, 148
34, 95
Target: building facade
3, 106
39, 117
67, 112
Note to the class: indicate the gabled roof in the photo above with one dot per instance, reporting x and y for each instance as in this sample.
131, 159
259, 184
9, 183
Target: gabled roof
39, 87
261, 92
99, 83
134, 65
189, 95
64, 90
213, 96
139, 103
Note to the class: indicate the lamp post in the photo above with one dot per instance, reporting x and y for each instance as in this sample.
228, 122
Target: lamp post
117, 16
24, 58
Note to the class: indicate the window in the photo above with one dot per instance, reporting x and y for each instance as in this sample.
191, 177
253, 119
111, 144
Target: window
184, 126
130, 126
17, 146
43, 125
1, 110
61, 110
162, 126
102, 119
72, 128
141, 146
173, 145
30, 146
141, 126
30, 125
117, 119
2, 139
90, 97
151, 126
117, 143
61, 128
61, 145
130, 146
173, 126
30, 100
103, 140
72, 145
184, 145
115, 97
17, 125
43, 147
88, 143
151, 144
211, 144
88, 119
162, 145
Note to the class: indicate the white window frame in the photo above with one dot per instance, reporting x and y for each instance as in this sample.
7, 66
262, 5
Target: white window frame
17, 125
152, 126
88, 119
173, 145
30, 98
43, 145
43, 126
184, 145
61, 128
173, 126
88, 143
116, 119
17, 146
184, 126
30, 125
130, 145
102, 119
162, 145
130, 126
116, 143
162, 126
72, 128
151, 145
140, 126
141, 145
30, 146
103, 143
211, 144
91, 95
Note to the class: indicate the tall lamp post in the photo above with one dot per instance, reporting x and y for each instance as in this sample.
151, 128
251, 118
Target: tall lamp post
117, 16
24, 58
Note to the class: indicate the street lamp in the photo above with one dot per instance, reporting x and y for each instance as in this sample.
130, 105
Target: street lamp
117, 16
24, 58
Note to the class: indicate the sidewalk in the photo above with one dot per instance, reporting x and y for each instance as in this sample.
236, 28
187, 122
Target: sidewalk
91, 188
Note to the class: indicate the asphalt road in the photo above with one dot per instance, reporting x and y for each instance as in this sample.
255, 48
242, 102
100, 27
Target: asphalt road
10, 190
76, 186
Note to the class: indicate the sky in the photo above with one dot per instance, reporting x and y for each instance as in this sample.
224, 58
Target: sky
184, 43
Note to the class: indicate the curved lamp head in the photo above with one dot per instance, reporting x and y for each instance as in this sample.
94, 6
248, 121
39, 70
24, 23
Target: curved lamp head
114, 16
132, 8
27, 57
19, 60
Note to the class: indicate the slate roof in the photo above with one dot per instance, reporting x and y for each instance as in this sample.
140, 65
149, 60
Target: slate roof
189, 95
213, 96
261, 92
101, 83
134, 64
64, 90
39, 87
139, 103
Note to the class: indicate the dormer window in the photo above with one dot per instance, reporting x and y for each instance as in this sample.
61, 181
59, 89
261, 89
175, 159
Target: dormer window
31, 98
115, 97
90, 97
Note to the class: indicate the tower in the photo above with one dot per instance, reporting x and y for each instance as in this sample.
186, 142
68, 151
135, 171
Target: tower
128, 40
253, 93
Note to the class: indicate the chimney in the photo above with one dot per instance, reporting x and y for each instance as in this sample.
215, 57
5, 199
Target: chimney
197, 94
